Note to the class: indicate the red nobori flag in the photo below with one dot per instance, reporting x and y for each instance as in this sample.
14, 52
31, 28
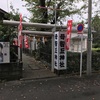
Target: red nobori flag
19, 33
20, 24
68, 35
26, 42
15, 41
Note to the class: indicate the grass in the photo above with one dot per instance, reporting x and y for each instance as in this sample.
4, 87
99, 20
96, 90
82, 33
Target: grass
94, 49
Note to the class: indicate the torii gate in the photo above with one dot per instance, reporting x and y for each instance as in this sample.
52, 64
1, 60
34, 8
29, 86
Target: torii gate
40, 25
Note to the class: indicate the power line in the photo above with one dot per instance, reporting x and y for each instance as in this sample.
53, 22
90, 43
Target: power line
48, 8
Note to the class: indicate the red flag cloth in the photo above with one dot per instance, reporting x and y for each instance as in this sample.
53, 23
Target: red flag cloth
20, 41
68, 34
26, 42
19, 33
15, 41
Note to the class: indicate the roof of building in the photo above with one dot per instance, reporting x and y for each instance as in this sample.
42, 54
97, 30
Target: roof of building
3, 13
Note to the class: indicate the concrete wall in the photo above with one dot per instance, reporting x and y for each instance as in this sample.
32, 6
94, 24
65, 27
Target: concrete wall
11, 71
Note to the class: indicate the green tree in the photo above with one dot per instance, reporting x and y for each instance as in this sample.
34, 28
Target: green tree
43, 11
96, 27
7, 33
63, 8
96, 23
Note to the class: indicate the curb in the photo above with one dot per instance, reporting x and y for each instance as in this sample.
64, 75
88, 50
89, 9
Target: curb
39, 78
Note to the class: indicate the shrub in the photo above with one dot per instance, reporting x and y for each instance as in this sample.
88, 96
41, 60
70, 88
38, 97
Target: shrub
73, 61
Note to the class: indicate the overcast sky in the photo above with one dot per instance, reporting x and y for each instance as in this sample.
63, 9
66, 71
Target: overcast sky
5, 5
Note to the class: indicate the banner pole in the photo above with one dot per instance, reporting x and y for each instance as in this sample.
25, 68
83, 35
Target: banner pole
81, 54
20, 39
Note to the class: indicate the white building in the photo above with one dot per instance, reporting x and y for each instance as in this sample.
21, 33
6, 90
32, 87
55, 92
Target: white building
75, 43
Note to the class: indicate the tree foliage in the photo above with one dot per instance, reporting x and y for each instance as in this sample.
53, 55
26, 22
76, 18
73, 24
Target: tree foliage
96, 23
96, 27
7, 33
63, 8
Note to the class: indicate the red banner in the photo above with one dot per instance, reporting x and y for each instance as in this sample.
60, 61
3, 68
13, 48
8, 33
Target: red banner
19, 33
26, 42
68, 35
15, 41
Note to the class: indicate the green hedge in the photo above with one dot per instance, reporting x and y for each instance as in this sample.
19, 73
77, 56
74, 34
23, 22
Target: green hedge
73, 61
96, 60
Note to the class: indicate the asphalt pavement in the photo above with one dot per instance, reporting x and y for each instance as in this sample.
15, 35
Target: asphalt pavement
37, 85
59, 88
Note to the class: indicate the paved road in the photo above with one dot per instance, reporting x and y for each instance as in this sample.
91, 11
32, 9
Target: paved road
39, 83
35, 69
59, 88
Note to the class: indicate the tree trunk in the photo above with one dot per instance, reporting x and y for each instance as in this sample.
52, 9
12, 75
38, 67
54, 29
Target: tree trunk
57, 12
44, 12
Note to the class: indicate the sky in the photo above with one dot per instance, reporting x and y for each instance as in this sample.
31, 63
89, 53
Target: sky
5, 5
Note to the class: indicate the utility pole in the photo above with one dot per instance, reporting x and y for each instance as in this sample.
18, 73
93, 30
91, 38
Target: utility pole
55, 16
8, 6
89, 42
54, 30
